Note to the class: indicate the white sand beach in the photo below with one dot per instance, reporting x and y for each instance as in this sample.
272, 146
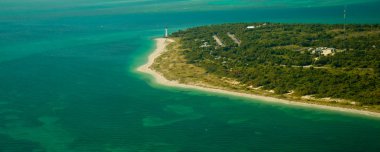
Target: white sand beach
161, 44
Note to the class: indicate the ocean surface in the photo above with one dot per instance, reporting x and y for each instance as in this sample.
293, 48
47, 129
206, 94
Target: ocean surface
68, 81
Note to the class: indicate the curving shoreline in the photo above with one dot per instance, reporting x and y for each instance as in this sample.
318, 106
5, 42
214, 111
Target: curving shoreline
161, 44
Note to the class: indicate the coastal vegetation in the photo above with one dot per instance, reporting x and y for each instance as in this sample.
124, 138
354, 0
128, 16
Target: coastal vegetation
304, 61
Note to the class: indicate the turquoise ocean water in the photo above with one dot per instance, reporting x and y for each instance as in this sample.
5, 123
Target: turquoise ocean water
68, 81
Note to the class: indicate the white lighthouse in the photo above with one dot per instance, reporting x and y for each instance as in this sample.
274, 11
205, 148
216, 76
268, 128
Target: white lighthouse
166, 33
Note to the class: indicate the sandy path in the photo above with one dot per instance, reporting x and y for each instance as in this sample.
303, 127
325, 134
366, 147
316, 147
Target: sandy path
217, 39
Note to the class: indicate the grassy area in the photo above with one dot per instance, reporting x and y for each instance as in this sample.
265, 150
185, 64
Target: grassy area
173, 65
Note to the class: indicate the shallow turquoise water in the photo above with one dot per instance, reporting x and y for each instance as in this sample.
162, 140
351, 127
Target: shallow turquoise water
67, 83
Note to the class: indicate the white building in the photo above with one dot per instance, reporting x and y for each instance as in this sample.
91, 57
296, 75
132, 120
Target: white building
205, 45
328, 51
251, 27
323, 51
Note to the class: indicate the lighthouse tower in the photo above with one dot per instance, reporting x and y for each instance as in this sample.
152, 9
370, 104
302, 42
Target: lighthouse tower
166, 33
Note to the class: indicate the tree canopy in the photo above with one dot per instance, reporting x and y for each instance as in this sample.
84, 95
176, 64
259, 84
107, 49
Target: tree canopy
322, 60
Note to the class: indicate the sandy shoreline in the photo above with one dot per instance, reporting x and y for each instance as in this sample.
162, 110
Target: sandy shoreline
161, 44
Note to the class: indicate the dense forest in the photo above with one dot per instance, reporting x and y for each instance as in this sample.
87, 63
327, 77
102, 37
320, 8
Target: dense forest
321, 60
